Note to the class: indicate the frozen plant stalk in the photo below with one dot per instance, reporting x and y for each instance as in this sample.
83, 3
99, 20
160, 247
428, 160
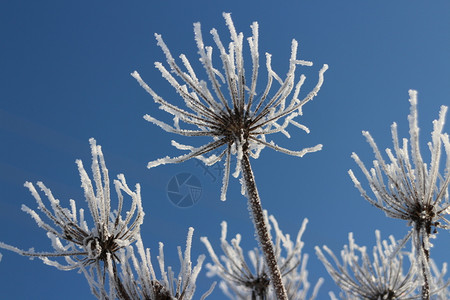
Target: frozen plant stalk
412, 191
238, 123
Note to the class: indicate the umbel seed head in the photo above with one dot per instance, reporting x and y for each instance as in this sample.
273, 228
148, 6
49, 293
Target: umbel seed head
236, 117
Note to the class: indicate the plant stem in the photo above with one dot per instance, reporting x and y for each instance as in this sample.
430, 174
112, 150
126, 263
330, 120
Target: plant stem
426, 283
261, 228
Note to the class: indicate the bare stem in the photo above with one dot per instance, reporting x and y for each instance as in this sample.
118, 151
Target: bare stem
426, 283
261, 228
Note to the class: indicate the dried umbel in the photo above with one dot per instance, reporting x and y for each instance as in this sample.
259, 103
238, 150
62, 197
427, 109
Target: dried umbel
233, 117
240, 122
82, 246
243, 281
407, 188
382, 278
137, 280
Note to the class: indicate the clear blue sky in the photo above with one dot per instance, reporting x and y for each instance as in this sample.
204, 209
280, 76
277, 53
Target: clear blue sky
64, 77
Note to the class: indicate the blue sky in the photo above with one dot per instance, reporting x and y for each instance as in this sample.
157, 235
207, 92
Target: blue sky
65, 77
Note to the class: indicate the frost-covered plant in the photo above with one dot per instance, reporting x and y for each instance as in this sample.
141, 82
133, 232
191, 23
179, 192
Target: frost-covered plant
137, 279
442, 285
380, 279
238, 123
412, 191
85, 247
241, 281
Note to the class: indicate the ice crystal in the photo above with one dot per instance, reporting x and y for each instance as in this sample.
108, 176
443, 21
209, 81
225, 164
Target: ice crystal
240, 122
242, 281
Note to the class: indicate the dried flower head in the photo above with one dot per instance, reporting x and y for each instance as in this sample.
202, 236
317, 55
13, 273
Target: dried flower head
238, 123
87, 247
414, 191
380, 279
241, 281
137, 279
